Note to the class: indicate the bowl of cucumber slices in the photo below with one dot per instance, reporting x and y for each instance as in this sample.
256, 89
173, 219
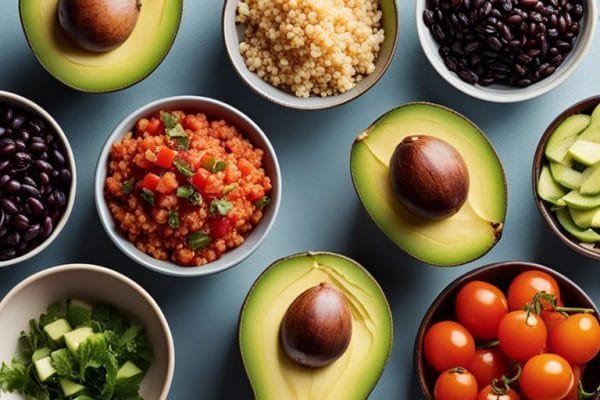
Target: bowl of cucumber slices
83, 332
566, 177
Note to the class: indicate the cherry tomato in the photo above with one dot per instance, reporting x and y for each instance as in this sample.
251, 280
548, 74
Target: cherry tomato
527, 284
576, 338
546, 377
479, 307
522, 336
487, 365
574, 392
487, 393
455, 384
552, 318
448, 344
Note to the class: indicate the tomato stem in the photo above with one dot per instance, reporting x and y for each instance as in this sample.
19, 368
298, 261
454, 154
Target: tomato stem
489, 344
567, 310
587, 395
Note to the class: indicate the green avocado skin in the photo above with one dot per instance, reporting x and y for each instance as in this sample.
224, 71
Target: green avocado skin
354, 375
456, 239
94, 72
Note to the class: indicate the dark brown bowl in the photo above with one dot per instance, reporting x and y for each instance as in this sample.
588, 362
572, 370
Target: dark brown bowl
499, 274
583, 107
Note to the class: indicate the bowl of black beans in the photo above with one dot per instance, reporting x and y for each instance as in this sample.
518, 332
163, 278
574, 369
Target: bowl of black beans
37, 179
506, 50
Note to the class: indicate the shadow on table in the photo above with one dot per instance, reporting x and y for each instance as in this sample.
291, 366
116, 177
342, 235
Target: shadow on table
234, 382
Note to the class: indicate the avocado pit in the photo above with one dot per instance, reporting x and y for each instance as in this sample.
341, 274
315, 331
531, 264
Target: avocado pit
429, 176
98, 25
317, 327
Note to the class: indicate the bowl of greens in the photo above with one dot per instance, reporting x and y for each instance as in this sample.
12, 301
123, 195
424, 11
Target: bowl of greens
83, 332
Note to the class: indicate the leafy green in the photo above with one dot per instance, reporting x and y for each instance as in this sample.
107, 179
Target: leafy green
183, 168
94, 365
148, 196
168, 119
173, 219
198, 240
218, 166
127, 186
220, 206
262, 202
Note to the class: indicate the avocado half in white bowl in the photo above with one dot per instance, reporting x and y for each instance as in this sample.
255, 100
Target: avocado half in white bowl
100, 57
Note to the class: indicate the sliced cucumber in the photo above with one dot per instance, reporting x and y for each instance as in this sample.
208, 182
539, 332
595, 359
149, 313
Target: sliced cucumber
585, 152
590, 184
69, 387
587, 235
128, 370
566, 176
565, 135
548, 189
591, 133
585, 218
44, 369
596, 115
74, 338
56, 330
40, 353
578, 201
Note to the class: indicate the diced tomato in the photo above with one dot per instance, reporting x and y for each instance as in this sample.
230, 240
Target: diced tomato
150, 181
199, 180
155, 126
167, 183
192, 122
165, 157
256, 192
207, 161
245, 167
219, 227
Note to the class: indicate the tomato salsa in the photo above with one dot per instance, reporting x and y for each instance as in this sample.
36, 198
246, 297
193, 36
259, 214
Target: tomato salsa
185, 188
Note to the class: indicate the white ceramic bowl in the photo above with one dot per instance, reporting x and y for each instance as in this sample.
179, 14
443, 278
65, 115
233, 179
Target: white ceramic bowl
504, 93
8, 98
233, 34
97, 285
213, 109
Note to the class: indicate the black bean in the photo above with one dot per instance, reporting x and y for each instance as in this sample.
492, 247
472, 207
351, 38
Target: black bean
12, 186
527, 3
20, 144
578, 10
549, 70
472, 47
24, 135
438, 32
3, 218
21, 160
13, 238
428, 17
57, 199
36, 206
558, 60
4, 180
456, 3
553, 33
451, 63
38, 146
7, 115
474, 59
42, 166
17, 122
574, 28
7, 254
562, 24
47, 227
494, 43
9, 206
520, 70
533, 52
486, 8
553, 52
36, 125
7, 147
506, 33
506, 5
58, 158
32, 232
4, 165
563, 46
553, 20
29, 190
21, 222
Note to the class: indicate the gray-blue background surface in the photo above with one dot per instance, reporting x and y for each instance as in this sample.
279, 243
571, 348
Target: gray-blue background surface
320, 210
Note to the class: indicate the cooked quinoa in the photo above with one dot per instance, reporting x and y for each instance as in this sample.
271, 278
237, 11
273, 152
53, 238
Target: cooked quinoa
311, 47
186, 189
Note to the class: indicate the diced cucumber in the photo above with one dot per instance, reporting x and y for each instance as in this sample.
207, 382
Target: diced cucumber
40, 353
56, 330
78, 312
566, 176
69, 387
590, 184
578, 201
585, 152
74, 338
585, 218
591, 133
128, 370
565, 135
548, 189
44, 369
587, 235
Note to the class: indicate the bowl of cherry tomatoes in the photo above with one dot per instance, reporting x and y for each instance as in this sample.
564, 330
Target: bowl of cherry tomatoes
509, 331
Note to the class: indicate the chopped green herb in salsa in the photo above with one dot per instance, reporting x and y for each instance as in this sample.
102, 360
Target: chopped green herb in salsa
220, 206
183, 168
127, 186
198, 240
147, 195
262, 202
173, 219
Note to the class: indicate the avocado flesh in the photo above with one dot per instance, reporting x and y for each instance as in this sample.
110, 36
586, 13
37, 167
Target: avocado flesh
463, 237
352, 376
141, 53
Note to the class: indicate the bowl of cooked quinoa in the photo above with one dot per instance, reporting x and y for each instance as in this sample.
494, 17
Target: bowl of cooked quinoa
310, 54
187, 186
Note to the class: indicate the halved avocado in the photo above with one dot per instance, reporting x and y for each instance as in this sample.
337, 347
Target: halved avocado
352, 376
87, 71
463, 237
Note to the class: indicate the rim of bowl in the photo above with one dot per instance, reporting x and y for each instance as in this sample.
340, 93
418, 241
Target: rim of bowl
167, 267
119, 277
418, 356
511, 95
298, 103
29, 105
538, 159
